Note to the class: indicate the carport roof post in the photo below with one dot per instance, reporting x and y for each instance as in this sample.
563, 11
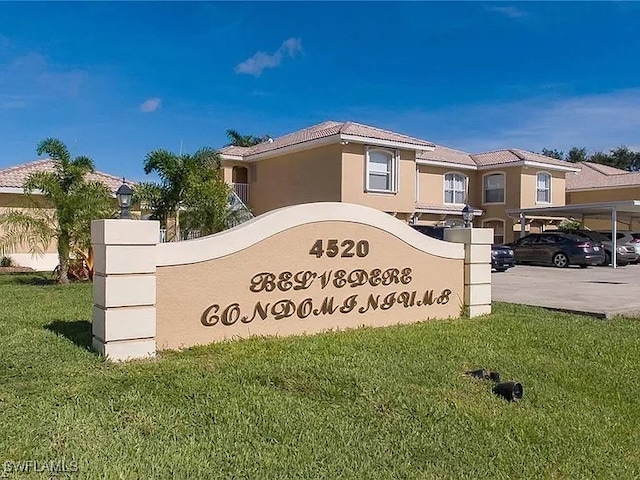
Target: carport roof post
627, 210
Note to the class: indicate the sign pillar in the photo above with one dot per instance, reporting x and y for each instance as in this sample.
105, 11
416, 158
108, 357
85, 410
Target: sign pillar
477, 266
124, 288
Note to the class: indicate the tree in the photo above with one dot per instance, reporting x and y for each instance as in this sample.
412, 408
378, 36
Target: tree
244, 140
576, 155
625, 159
557, 154
191, 191
71, 202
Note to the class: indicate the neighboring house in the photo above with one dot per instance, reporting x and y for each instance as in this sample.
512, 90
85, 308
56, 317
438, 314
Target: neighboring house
414, 180
601, 183
12, 196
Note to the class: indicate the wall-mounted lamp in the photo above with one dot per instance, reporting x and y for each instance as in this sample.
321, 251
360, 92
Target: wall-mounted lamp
124, 194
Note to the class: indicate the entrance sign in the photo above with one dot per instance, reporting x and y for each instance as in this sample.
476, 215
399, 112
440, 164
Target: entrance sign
297, 270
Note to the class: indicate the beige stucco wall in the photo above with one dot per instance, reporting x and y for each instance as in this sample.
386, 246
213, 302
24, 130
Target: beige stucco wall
353, 181
431, 184
302, 177
192, 295
10, 201
528, 187
603, 195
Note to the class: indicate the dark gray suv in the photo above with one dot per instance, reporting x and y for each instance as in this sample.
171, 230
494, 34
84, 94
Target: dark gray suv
557, 249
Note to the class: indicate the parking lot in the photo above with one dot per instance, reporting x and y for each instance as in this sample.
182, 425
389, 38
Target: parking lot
600, 291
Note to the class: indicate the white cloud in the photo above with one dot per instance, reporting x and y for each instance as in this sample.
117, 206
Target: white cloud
261, 60
597, 122
151, 105
508, 11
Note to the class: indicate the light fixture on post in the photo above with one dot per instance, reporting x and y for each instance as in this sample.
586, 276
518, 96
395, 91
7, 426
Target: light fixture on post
467, 215
124, 194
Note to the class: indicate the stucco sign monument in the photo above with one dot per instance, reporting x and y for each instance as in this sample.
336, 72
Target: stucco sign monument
298, 270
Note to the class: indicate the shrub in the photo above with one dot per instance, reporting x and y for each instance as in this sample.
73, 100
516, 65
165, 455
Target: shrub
6, 262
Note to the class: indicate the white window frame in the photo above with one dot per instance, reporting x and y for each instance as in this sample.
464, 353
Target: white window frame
504, 187
549, 190
444, 188
504, 227
393, 173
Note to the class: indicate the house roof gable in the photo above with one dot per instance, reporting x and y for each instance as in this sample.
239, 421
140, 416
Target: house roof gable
594, 176
14, 177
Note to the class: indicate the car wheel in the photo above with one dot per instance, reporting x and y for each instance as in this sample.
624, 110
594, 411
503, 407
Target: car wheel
584, 266
607, 259
560, 260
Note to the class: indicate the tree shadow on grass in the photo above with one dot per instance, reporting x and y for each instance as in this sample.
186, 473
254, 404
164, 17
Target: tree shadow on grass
79, 332
38, 279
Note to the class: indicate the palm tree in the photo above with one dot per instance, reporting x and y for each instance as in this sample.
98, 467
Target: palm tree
191, 189
71, 202
244, 140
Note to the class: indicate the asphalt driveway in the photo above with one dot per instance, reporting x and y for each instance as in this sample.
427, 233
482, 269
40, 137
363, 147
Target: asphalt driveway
600, 291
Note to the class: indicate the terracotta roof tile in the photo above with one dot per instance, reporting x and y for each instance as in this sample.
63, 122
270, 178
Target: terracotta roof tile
514, 155
447, 155
353, 128
234, 150
596, 176
15, 176
323, 130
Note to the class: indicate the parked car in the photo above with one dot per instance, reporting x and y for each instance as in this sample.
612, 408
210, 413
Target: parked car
625, 239
502, 258
624, 254
557, 249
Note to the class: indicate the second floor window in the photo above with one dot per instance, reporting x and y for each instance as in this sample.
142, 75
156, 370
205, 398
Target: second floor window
381, 170
455, 188
494, 188
543, 188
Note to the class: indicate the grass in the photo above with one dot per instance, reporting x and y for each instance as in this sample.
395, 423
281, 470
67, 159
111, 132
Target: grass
370, 403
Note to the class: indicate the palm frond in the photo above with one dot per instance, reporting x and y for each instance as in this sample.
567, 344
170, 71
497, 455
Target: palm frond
55, 149
26, 229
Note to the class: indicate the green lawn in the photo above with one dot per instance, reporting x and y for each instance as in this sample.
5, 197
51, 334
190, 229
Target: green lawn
365, 404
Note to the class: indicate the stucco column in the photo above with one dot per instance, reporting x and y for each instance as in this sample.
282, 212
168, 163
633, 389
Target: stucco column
477, 266
124, 288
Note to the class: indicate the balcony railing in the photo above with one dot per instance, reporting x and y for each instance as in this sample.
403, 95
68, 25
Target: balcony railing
242, 190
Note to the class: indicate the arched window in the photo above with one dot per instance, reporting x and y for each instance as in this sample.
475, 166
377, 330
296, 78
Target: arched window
382, 170
498, 230
543, 187
239, 175
494, 188
455, 188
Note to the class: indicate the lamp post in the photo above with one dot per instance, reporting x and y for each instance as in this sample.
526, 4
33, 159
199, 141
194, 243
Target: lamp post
467, 215
124, 194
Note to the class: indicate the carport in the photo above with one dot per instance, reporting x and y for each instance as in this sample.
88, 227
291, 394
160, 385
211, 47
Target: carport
625, 212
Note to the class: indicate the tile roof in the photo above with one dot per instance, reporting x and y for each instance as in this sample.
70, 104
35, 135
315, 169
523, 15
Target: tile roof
234, 150
595, 176
437, 153
323, 130
514, 155
447, 155
14, 177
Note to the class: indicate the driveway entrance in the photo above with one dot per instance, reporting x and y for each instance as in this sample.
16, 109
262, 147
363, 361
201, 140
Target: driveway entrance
599, 291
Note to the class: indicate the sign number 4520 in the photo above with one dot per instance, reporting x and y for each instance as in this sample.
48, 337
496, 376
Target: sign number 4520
345, 249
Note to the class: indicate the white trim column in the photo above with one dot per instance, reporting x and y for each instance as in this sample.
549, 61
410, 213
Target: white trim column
124, 288
477, 266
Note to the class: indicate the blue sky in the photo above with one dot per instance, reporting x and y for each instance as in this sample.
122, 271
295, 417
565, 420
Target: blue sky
117, 80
